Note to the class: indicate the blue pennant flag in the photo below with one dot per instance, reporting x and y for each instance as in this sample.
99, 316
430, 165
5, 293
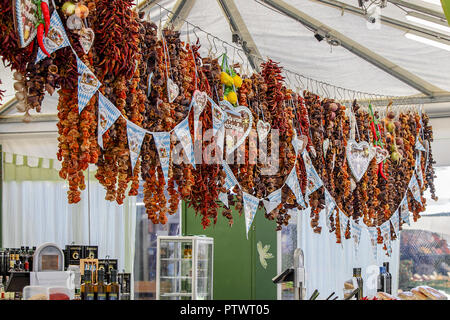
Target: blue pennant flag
418, 168
314, 181
373, 235
419, 145
404, 210
395, 222
184, 135
88, 85
136, 136
107, 115
230, 179
330, 205
343, 219
224, 198
274, 199
415, 189
162, 143
292, 182
56, 38
250, 206
219, 116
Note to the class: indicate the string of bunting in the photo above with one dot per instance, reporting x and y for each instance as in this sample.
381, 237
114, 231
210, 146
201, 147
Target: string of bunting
88, 86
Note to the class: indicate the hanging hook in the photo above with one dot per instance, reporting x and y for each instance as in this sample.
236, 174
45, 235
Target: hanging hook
193, 30
215, 47
210, 45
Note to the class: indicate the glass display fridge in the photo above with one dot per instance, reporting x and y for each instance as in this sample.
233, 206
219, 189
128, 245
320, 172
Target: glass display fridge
184, 268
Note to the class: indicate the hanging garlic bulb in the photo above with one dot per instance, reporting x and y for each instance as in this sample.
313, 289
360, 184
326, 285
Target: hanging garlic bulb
21, 106
19, 86
27, 117
20, 96
18, 76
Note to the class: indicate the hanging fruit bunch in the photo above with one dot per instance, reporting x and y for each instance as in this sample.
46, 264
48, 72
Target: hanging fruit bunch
230, 81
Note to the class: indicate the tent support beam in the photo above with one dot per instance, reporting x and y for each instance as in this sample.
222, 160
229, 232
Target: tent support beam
181, 11
357, 49
238, 26
404, 26
144, 5
420, 6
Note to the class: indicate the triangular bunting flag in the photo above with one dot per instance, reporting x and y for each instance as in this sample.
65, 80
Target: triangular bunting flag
162, 143
356, 234
415, 189
314, 181
330, 205
274, 199
184, 135
343, 219
107, 115
250, 206
88, 84
292, 182
230, 179
419, 145
199, 101
418, 168
395, 222
404, 210
386, 234
136, 136
219, 116
373, 235
56, 38
224, 198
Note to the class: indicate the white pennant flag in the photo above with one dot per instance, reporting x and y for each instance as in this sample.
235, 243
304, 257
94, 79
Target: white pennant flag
330, 205
395, 222
292, 182
88, 84
219, 116
343, 219
314, 181
224, 198
184, 135
107, 115
418, 168
415, 189
250, 206
404, 209
386, 234
162, 143
199, 100
356, 234
136, 136
230, 179
419, 145
56, 37
273, 202
373, 236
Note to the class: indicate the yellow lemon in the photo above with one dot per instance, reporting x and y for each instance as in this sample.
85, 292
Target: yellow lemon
232, 97
225, 98
226, 79
237, 81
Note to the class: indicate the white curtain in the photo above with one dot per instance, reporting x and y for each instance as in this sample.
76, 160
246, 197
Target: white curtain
328, 264
35, 212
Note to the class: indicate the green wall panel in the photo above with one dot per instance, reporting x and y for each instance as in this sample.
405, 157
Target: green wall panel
238, 273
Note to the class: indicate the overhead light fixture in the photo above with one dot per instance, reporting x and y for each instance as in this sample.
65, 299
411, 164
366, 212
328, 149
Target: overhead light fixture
428, 21
320, 35
436, 2
427, 40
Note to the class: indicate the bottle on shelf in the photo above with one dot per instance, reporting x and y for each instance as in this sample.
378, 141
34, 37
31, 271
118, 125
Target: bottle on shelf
101, 288
12, 260
358, 282
381, 280
87, 288
113, 287
31, 255
388, 278
2, 289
